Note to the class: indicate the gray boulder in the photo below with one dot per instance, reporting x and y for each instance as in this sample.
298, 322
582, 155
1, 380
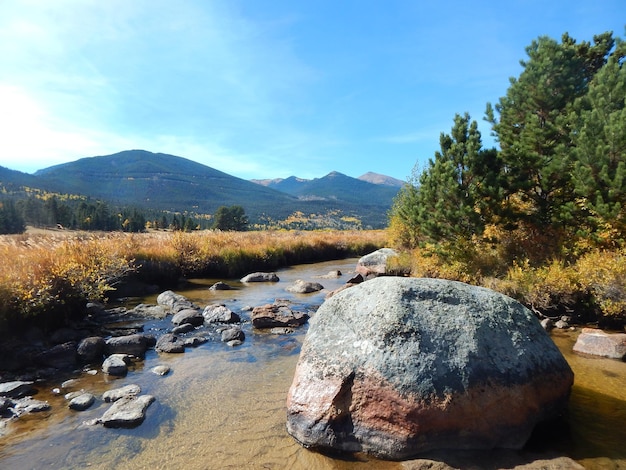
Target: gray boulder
192, 316
175, 302
82, 401
116, 364
599, 343
127, 412
375, 264
232, 334
399, 366
304, 287
135, 345
219, 314
170, 343
260, 277
90, 349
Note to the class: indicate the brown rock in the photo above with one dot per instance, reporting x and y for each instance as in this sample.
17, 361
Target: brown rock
273, 315
599, 343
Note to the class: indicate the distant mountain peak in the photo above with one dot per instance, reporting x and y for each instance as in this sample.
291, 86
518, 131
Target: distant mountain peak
377, 178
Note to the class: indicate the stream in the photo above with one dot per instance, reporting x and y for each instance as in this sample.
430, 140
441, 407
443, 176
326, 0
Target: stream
223, 407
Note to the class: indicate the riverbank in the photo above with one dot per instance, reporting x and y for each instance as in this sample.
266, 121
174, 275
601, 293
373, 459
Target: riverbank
53, 274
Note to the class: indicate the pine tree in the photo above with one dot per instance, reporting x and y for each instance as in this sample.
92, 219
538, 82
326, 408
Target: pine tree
533, 130
599, 120
457, 194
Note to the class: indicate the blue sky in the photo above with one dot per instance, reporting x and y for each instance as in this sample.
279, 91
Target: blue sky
264, 88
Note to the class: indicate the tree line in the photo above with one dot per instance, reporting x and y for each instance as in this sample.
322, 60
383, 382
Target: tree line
556, 185
84, 214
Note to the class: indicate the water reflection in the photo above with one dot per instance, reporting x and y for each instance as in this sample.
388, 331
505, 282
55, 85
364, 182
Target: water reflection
224, 407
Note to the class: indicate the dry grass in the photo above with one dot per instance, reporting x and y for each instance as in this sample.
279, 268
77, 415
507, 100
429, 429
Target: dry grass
46, 272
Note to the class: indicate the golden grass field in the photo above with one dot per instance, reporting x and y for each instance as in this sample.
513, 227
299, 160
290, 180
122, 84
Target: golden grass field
46, 270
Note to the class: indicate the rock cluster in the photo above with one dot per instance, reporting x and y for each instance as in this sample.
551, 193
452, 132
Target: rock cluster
121, 344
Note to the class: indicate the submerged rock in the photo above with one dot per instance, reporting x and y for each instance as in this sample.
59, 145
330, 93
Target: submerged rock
399, 366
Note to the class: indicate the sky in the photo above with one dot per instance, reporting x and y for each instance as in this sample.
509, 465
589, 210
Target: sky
265, 88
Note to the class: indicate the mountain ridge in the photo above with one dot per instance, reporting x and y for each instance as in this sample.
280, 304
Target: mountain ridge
167, 182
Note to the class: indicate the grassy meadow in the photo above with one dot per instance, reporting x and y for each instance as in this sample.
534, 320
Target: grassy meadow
49, 275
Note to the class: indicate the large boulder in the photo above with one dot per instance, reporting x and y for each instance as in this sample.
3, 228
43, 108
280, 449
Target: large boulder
398, 366
599, 343
375, 264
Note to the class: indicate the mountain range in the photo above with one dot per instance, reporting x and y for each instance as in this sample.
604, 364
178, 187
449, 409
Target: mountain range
165, 182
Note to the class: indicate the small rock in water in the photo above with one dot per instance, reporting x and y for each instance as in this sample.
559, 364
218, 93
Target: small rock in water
160, 370
82, 401
116, 364
219, 314
122, 392
233, 334
195, 341
30, 405
304, 287
169, 343
260, 277
127, 412
220, 286
71, 383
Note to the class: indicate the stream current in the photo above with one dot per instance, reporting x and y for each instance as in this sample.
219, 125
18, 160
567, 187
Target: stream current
224, 408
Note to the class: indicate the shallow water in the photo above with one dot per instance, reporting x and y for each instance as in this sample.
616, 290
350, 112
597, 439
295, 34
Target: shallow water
224, 407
